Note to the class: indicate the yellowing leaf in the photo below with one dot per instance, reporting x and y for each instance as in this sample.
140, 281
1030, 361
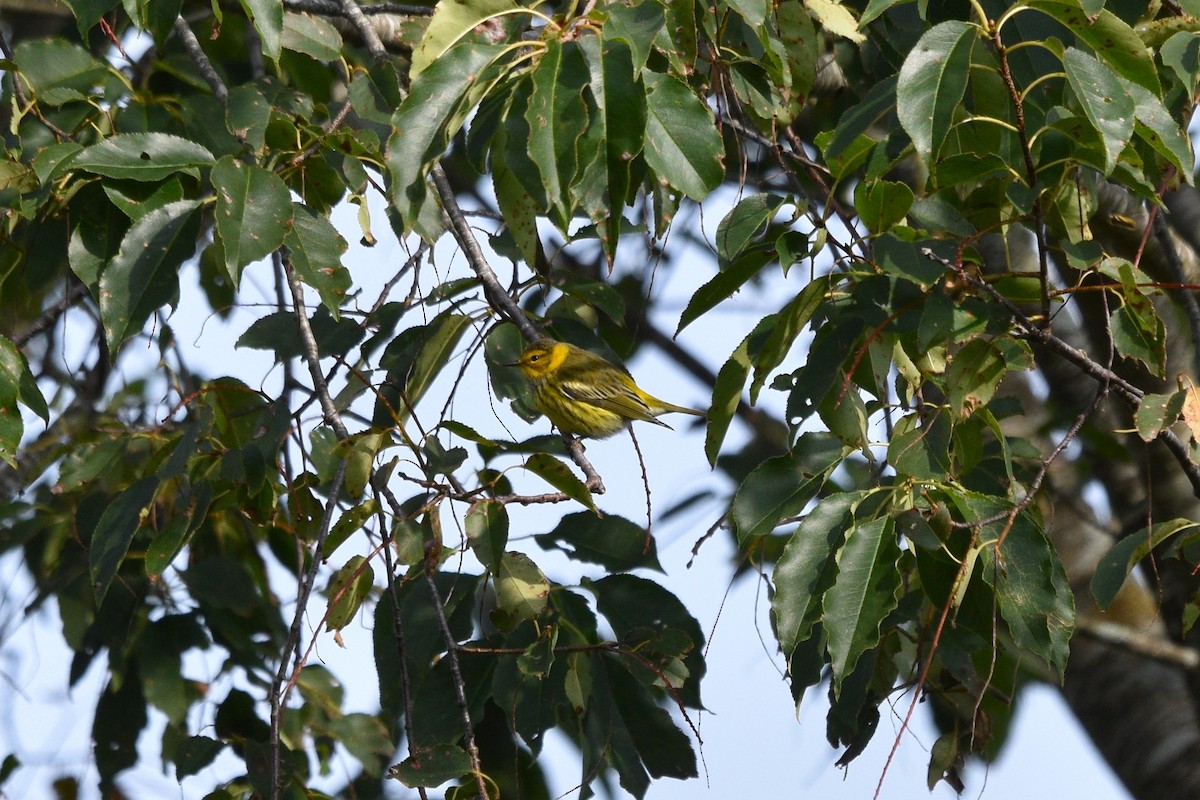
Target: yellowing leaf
836, 18
1191, 410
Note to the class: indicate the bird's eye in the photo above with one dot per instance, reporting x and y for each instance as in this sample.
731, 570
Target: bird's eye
535, 357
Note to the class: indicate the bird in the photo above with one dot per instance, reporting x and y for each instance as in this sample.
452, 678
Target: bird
585, 395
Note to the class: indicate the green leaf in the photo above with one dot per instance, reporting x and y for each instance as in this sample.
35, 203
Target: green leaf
267, 18
143, 156
637, 25
247, 115
53, 160
450, 23
278, 333
1157, 412
1155, 125
12, 367
135, 199
634, 606
745, 224
727, 396
856, 121
780, 487
114, 533
253, 213
932, 82
144, 275
613, 542
1112, 40
882, 205
316, 255
975, 373
348, 588
557, 118
366, 738
87, 13
487, 532
17, 381
518, 207
864, 593
559, 475
1032, 592
1104, 100
156, 16
620, 125
349, 522
521, 589
427, 119
798, 37
1119, 561
358, 451
1140, 334
806, 568
312, 36
195, 753
58, 71
597, 294
436, 349
683, 145
875, 8
1182, 54
754, 12
786, 326
665, 750
723, 285
921, 448
431, 766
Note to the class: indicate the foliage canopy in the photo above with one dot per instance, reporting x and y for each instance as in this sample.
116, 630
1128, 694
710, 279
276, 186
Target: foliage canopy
952, 194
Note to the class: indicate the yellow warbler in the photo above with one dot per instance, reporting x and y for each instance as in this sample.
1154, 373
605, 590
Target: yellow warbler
585, 395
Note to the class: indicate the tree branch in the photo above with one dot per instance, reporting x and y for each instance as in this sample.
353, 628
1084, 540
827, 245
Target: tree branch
198, 56
460, 693
1143, 643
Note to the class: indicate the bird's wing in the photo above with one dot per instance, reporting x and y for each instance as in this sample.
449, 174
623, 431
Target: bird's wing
617, 399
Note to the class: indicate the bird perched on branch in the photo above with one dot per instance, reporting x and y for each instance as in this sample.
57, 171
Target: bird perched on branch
585, 395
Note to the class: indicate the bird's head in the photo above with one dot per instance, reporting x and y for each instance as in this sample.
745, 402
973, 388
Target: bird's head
541, 358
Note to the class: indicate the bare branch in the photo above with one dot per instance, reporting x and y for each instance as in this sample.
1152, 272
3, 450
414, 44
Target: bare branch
1145, 643
196, 53
365, 29
460, 691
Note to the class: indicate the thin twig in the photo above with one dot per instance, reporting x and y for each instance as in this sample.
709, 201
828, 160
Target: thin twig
459, 687
312, 356
51, 315
22, 100
333, 8
1031, 176
200, 59
645, 483
1162, 234
1127, 391
1123, 388
354, 13
497, 297
406, 692
280, 687
330, 127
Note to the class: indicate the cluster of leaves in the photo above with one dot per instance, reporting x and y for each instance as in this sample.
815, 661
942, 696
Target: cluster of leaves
1006, 126
963, 131
159, 540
